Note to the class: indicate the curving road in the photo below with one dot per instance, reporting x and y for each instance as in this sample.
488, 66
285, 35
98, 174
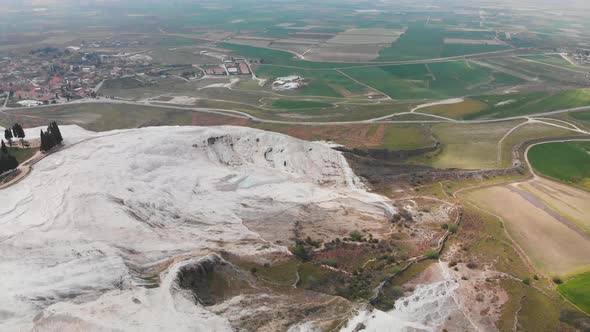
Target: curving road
244, 115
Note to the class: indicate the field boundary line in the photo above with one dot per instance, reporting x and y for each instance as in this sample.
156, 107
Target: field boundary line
364, 84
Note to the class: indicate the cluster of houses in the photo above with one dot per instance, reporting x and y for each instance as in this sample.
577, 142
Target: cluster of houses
229, 67
49, 75
581, 57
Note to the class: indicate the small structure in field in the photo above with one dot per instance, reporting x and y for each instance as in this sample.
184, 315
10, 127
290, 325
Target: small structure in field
29, 103
288, 83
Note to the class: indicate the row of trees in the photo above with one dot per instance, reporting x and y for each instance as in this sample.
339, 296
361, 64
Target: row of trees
16, 131
51, 137
7, 161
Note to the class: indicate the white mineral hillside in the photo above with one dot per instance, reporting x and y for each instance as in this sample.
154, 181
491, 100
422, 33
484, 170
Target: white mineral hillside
79, 231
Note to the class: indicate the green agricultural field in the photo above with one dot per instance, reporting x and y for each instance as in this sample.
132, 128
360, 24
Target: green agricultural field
321, 83
278, 57
451, 50
456, 111
577, 290
507, 105
565, 161
458, 78
422, 41
418, 42
470, 34
291, 104
407, 85
584, 116
433, 81
553, 59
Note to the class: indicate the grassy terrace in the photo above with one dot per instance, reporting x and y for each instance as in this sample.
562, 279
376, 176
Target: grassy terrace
290, 104
514, 104
22, 155
500, 106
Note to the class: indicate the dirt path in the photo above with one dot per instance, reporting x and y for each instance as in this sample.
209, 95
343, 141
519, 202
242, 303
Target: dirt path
244, 115
363, 84
505, 71
566, 58
499, 146
441, 102
555, 66
562, 121
531, 120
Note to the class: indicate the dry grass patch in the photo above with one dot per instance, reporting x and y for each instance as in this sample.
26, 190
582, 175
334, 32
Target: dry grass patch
572, 203
553, 247
456, 111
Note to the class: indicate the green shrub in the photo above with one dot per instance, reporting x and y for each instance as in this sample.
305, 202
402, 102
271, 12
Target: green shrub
300, 252
453, 228
432, 254
313, 243
330, 262
356, 236
526, 281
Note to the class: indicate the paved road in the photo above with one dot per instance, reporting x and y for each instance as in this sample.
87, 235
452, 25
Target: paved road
243, 115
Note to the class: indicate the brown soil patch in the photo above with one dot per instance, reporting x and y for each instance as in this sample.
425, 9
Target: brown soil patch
351, 136
552, 246
571, 203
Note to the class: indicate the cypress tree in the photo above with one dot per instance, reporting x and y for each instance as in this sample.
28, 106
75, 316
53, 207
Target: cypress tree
55, 132
8, 134
44, 146
7, 162
50, 138
15, 129
18, 131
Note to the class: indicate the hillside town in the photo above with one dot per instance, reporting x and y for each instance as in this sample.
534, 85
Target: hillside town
51, 75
